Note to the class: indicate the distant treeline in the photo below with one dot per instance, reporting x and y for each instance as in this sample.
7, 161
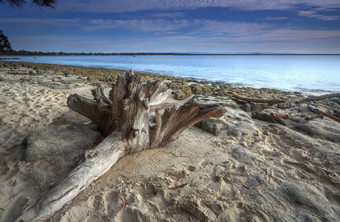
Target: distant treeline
24, 52
40, 53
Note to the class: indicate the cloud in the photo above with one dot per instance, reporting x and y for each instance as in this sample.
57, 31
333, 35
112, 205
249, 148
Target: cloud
49, 22
167, 25
285, 40
196, 27
314, 14
276, 18
136, 5
167, 15
240, 28
144, 25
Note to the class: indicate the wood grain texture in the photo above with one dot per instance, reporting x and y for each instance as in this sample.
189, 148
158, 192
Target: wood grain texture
124, 119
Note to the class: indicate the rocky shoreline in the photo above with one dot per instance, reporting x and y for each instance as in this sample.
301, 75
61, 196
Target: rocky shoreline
186, 86
66, 77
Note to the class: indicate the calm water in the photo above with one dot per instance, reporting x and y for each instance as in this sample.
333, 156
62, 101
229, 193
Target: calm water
309, 74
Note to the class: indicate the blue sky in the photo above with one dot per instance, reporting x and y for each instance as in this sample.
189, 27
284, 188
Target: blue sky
197, 26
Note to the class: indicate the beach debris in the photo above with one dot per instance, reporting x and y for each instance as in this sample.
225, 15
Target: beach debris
277, 117
256, 100
178, 187
285, 117
268, 118
316, 98
284, 105
318, 111
124, 119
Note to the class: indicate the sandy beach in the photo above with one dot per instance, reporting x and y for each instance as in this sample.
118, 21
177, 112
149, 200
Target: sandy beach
244, 169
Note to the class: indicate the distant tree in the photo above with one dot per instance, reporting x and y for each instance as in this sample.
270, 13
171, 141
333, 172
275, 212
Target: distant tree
5, 45
19, 3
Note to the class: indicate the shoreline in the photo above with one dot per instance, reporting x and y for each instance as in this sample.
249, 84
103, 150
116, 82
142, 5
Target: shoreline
230, 165
182, 88
164, 54
303, 89
215, 88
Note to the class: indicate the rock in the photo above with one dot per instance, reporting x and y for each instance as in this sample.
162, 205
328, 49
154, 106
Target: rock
268, 118
58, 140
56, 85
196, 89
256, 107
241, 129
182, 94
205, 89
336, 113
3, 99
335, 100
220, 100
308, 199
245, 107
317, 127
237, 115
212, 125
236, 121
243, 155
70, 117
32, 72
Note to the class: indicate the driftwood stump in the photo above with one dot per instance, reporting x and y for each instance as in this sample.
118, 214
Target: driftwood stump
132, 119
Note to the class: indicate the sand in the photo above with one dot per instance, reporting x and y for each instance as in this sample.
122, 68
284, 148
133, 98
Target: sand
252, 171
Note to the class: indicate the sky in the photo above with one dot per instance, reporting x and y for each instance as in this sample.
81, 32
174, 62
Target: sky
185, 26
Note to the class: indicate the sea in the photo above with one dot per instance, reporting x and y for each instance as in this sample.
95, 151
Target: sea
308, 74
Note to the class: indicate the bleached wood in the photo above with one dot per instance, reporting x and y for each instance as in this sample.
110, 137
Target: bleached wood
124, 119
94, 164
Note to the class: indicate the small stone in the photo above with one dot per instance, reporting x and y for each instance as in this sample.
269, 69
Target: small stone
191, 168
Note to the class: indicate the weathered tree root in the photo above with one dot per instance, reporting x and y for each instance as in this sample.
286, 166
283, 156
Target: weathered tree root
124, 119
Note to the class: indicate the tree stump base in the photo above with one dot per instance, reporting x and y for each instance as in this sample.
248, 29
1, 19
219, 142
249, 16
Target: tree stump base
125, 119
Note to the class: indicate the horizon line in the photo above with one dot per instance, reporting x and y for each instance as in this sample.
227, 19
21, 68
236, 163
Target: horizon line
37, 53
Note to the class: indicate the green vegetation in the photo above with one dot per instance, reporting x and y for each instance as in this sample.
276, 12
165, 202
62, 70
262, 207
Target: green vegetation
20, 3
5, 45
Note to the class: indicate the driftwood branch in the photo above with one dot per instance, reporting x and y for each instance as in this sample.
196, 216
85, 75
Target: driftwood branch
256, 100
94, 164
318, 111
316, 98
124, 119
